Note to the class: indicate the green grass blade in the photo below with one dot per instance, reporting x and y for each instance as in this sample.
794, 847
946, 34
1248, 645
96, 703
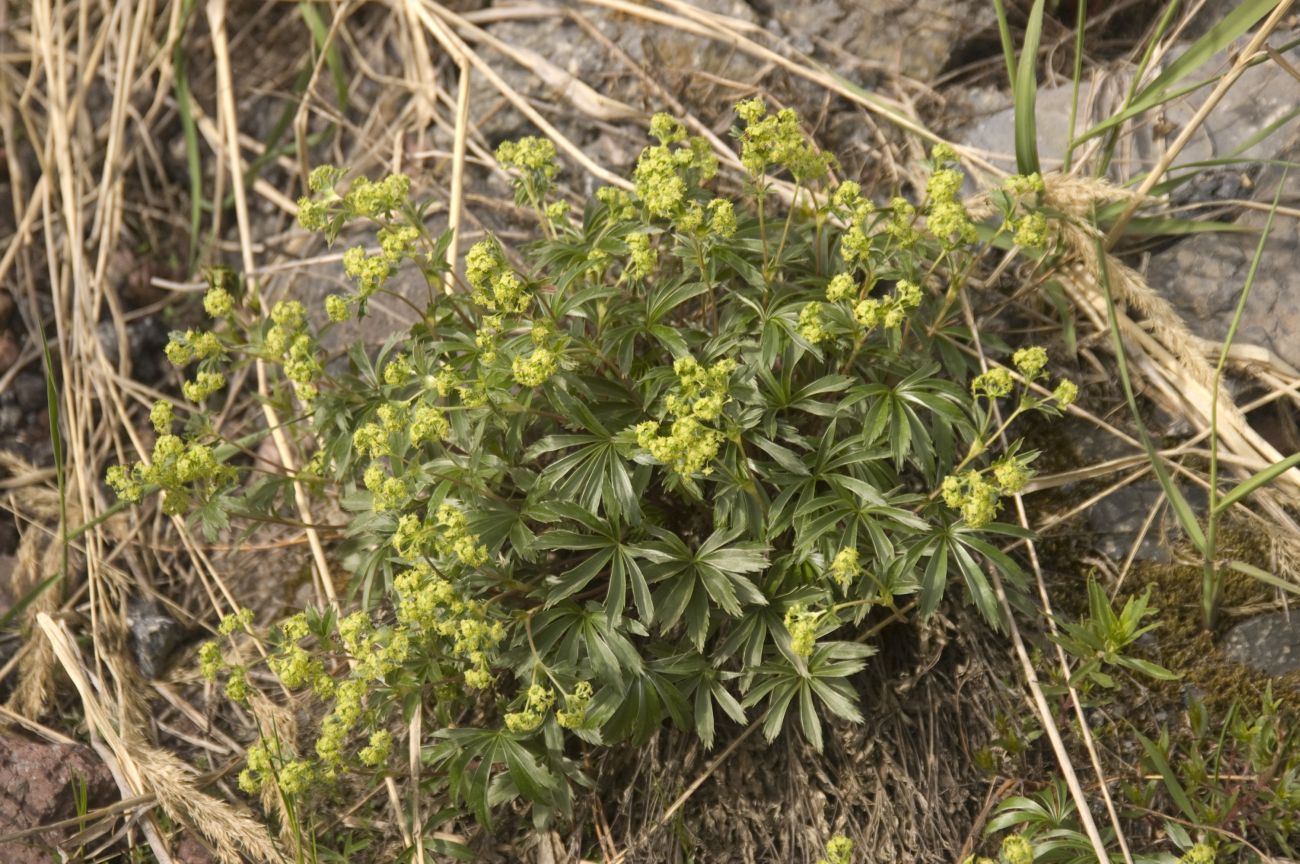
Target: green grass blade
28, 599
1263, 576
1255, 481
1219, 37
320, 34
1008, 46
1260, 478
1108, 152
1183, 510
56, 439
1172, 226
1026, 93
190, 133
1076, 78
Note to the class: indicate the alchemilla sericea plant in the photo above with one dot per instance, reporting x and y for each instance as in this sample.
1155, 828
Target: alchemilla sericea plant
669, 460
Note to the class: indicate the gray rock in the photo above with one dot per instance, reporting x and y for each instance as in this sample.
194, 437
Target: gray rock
1203, 276
916, 38
153, 634
1269, 643
672, 56
1117, 519
1262, 96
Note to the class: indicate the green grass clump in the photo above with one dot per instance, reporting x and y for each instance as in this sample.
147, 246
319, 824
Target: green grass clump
661, 466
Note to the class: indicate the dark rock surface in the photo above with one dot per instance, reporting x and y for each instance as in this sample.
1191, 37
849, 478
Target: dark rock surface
1269, 643
38, 782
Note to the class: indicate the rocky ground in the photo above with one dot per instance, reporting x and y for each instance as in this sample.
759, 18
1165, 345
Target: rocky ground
596, 71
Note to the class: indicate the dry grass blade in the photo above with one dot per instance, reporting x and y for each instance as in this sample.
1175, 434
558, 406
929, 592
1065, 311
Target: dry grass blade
1244, 58
148, 770
456, 47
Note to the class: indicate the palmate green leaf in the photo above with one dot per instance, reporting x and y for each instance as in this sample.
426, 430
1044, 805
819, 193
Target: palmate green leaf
688, 579
584, 637
487, 767
640, 708
821, 680
702, 683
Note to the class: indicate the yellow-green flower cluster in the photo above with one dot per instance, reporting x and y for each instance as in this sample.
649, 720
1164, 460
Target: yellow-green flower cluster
398, 242
722, 218
855, 244
1032, 231
687, 449
664, 172
444, 382
1016, 849
801, 622
373, 200
240, 619
174, 467
210, 660
1011, 474
690, 445
1065, 393
838, 851
237, 684
203, 386
1030, 361
890, 311
658, 180
326, 211
557, 212
619, 202
388, 493
428, 423
183, 348
455, 540
429, 607
376, 653
529, 154
496, 286
296, 667
371, 272
349, 704
370, 439
535, 369
537, 702
667, 129
702, 392
776, 141
901, 224
161, 416
841, 287
811, 325
288, 321
847, 195
259, 765
1022, 185
1201, 853
574, 713
845, 567
376, 752
976, 497
448, 535
337, 308
398, 370
218, 302
644, 258
994, 384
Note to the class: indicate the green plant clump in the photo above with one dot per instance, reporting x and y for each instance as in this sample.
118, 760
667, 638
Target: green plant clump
665, 463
